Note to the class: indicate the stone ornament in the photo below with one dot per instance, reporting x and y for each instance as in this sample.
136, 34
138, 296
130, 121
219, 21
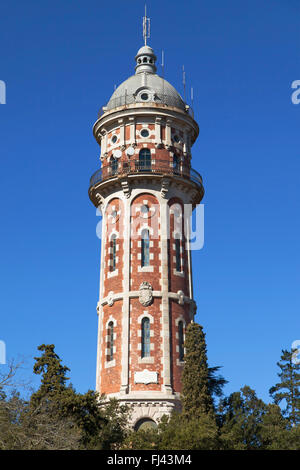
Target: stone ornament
145, 377
164, 187
145, 294
180, 294
110, 298
126, 188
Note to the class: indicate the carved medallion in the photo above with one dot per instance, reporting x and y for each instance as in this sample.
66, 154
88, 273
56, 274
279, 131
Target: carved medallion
145, 294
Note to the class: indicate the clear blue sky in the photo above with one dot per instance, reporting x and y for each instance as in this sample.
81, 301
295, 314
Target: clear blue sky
60, 62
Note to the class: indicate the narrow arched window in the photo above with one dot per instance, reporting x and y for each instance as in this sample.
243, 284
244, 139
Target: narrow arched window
178, 254
113, 252
175, 164
145, 337
114, 165
110, 338
180, 340
145, 245
145, 160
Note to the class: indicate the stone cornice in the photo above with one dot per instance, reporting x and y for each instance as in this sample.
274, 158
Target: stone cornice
112, 297
142, 110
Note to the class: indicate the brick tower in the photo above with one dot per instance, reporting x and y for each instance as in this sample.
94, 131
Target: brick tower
143, 187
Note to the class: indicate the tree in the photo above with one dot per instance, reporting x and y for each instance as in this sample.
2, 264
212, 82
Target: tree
241, 416
288, 389
199, 382
116, 428
99, 423
274, 433
195, 427
141, 440
198, 432
54, 379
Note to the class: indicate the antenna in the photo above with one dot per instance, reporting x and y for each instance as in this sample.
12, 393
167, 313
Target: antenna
163, 72
146, 27
183, 81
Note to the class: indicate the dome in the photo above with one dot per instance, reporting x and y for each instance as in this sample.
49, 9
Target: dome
145, 85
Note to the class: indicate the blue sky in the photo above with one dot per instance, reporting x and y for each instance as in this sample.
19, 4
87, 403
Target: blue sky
60, 62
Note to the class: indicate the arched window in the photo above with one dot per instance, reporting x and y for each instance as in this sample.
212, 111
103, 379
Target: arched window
145, 244
110, 337
145, 337
180, 340
145, 160
113, 252
178, 254
176, 164
114, 165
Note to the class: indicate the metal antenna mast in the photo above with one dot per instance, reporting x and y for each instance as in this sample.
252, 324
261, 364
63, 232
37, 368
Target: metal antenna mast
146, 26
163, 72
183, 80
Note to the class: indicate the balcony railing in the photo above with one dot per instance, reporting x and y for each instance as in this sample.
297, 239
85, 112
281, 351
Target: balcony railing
159, 167
157, 98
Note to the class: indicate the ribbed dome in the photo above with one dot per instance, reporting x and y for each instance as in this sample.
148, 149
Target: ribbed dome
145, 85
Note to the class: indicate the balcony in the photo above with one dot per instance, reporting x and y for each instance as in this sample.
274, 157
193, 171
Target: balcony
156, 167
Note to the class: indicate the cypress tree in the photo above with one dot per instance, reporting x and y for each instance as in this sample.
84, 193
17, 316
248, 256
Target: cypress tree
199, 381
288, 389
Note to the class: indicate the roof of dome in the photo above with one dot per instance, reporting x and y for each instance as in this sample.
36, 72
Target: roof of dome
145, 50
145, 85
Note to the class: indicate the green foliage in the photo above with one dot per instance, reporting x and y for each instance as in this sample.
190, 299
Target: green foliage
274, 433
288, 389
53, 381
116, 428
141, 440
57, 417
199, 382
240, 420
199, 432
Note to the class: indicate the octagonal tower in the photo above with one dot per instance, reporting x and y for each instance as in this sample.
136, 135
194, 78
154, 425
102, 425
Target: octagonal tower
143, 188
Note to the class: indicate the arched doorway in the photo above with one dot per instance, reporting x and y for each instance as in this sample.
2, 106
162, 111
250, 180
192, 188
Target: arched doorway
145, 424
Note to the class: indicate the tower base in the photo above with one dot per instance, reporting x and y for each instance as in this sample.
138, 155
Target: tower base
148, 410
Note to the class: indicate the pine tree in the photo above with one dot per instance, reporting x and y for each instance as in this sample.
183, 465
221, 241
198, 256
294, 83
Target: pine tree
92, 421
53, 381
288, 389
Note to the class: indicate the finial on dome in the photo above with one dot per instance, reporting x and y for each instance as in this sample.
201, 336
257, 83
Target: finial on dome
145, 60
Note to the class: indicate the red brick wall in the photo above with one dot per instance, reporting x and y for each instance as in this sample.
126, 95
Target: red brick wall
135, 344
111, 376
137, 222
114, 283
